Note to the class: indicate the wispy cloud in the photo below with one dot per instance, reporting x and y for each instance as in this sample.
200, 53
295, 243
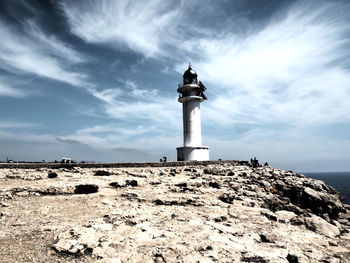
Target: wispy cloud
274, 76
155, 110
37, 54
109, 136
132, 104
277, 73
25, 136
7, 91
292, 71
116, 130
17, 124
142, 26
21, 131
50, 44
106, 95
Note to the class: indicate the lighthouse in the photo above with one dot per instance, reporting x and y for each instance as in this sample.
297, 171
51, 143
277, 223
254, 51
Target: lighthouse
191, 95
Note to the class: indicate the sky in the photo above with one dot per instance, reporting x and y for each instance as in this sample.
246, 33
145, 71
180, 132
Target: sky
96, 80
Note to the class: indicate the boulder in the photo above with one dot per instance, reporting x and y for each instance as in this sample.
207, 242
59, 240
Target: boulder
102, 173
319, 225
52, 175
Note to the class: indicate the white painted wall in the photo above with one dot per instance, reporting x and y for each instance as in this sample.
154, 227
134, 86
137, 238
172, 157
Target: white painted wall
192, 123
193, 153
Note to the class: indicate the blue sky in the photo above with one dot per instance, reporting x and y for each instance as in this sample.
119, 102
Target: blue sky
97, 80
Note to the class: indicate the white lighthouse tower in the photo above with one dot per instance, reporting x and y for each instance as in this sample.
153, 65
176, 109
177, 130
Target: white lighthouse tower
191, 95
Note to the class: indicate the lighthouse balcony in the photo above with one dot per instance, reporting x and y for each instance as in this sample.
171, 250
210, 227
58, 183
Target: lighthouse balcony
183, 99
187, 87
191, 92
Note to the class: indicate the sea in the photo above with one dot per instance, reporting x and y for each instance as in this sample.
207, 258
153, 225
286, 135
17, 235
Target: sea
340, 181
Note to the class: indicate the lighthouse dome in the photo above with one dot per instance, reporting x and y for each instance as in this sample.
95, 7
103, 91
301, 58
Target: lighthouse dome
190, 76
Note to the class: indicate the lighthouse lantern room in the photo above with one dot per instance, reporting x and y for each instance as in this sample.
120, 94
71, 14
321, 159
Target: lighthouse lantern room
191, 95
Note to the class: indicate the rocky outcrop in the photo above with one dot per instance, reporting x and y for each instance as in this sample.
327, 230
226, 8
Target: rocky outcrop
227, 212
297, 193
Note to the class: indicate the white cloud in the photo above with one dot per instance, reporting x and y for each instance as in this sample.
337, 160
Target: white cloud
17, 124
275, 80
50, 44
38, 54
25, 136
116, 130
285, 72
107, 95
102, 137
137, 92
164, 111
7, 91
134, 104
143, 26
140, 105
292, 71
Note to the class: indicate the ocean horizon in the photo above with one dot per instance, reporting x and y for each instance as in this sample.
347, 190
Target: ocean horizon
340, 181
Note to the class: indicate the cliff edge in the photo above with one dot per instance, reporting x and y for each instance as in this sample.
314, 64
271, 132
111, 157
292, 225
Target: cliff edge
228, 212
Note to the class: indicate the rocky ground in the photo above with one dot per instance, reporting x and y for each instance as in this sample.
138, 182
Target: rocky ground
213, 213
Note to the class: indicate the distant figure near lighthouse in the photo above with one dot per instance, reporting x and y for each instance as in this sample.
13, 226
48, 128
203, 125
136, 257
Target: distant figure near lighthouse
191, 95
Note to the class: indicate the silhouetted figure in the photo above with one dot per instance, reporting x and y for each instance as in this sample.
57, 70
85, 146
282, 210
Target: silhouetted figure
164, 159
254, 162
266, 164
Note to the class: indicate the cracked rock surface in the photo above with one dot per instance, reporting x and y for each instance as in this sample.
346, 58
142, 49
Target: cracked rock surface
213, 213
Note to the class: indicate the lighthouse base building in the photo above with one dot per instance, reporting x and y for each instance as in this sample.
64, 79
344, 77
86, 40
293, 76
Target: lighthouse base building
189, 153
191, 95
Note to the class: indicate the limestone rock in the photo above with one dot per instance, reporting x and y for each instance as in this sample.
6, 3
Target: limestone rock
321, 226
224, 212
